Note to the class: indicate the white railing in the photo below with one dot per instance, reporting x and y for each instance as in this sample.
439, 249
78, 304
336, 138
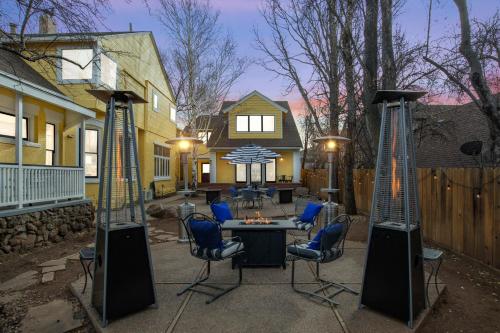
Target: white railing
39, 184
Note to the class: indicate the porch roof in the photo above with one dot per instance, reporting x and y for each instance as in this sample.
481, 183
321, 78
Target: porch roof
15, 74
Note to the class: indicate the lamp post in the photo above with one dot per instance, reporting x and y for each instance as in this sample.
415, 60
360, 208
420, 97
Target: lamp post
185, 145
330, 144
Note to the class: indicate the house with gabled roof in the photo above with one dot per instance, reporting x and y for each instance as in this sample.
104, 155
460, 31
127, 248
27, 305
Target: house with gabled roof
253, 119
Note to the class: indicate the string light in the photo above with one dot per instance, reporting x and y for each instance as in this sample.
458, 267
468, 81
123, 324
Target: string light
449, 187
478, 195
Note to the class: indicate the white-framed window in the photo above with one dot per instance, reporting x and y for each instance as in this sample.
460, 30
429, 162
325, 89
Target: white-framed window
82, 57
161, 162
173, 115
8, 126
91, 153
255, 123
50, 143
155, 103
204, 136
271, 171
241, 173
108, 71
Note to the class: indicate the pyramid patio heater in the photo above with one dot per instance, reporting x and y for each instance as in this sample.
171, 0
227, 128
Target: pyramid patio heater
123, 275
393, 281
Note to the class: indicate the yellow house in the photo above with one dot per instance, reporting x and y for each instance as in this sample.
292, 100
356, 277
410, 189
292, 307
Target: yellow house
252, 119
52, 139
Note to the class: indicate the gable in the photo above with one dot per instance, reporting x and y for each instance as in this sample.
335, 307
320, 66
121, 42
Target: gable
252, 97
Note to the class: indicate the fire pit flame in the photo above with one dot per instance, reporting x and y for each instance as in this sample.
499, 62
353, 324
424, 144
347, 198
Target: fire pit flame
258, 219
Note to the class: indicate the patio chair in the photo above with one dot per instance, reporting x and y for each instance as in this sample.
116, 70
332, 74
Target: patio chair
86, 255
248, 195
327, 246
206, 243
235, 197
282, 179
307, 211
221, 211
268, 195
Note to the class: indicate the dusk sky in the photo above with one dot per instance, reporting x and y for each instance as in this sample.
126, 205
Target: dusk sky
239, 16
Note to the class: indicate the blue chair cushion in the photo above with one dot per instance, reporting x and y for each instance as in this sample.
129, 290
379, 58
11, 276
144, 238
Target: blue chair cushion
270, 191
221, 211
333, 232
207, 234
310, 212
233, 191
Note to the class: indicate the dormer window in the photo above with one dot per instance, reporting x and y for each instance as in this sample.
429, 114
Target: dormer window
70, 70
108, 71
204, 135
255, 123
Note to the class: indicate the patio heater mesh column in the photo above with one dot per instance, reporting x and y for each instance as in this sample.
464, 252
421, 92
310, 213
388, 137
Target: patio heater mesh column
393, 280
123, 276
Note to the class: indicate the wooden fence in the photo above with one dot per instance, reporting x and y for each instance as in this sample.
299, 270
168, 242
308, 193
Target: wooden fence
460, 207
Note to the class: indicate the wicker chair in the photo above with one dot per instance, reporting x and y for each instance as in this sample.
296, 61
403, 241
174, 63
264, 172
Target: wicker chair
331, 248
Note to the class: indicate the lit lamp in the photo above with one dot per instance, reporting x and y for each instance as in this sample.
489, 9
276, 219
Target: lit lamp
185, 146
330, 144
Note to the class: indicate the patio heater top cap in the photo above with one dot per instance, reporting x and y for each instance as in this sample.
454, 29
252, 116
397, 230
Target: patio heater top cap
396, 95
184, 142
119, 95
330, 142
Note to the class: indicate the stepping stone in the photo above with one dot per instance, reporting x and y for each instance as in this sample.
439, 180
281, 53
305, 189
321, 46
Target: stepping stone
47, 277
20, 282
162, 237
11, 297
171, 233
53, 268
53, 317
151, 229
75, 256
91, 245
171, 239
161, 231
55, 262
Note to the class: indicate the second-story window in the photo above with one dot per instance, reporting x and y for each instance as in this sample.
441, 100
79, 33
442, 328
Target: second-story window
173, 114
155, 102
108, 71
255, 123
204, 136
70, 70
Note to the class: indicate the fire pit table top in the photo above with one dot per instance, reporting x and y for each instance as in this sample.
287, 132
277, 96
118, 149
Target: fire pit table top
272, 224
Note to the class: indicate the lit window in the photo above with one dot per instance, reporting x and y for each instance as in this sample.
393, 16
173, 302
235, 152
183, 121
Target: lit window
91, 152
108, 71
172, 114
50, 143
82, 57
155, 102
256, 172
241, 172
268, 123
242, 123
205, 168
255, 123
271, 171
161, 161
8, 126
204, 136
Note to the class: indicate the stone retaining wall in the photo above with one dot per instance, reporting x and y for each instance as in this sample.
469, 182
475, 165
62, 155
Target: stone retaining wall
34, 229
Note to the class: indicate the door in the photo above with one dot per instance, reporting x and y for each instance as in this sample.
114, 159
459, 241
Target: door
205, 172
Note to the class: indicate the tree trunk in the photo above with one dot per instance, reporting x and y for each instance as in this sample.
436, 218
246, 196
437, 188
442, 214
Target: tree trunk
388, 63
370, 59
347, 54
478, 81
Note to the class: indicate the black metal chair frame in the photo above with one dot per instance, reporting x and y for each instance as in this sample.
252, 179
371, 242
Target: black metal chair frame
200, 281
434, 271
296, 214
86, 269
322, 294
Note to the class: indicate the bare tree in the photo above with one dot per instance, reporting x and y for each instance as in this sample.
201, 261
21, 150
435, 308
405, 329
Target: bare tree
201, 60
471, 66
388, 62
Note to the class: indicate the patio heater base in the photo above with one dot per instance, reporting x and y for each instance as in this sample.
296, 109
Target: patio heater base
386, 284
183, 210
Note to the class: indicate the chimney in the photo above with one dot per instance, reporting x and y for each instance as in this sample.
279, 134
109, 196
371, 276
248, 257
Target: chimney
47, 24
130, 26
13, 28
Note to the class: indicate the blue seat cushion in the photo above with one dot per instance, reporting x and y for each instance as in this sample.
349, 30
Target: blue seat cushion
207, 234
332, 231
310, 212
221, 211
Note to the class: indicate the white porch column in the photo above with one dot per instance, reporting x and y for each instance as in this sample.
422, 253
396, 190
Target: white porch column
82, 153
213, 167
296, 166
19, 148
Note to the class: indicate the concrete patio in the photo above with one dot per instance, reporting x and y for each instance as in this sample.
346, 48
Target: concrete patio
265, 302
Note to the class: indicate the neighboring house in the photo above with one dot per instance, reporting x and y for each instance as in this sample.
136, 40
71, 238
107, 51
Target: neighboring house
117, 60
440, 131
252, 119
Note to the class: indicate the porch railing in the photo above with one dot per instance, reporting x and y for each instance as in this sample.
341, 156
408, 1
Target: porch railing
39, 184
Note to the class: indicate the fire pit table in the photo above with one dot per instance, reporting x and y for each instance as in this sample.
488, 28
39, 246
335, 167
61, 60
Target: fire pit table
264, 240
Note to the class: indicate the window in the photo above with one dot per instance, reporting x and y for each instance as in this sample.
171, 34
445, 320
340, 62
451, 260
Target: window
162, 162
108, 71
204, 136
271, 171
71, 71
205, 168
241, 173
255, 123
155, 102
172, 114
8, 126
91, 152
50, 143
